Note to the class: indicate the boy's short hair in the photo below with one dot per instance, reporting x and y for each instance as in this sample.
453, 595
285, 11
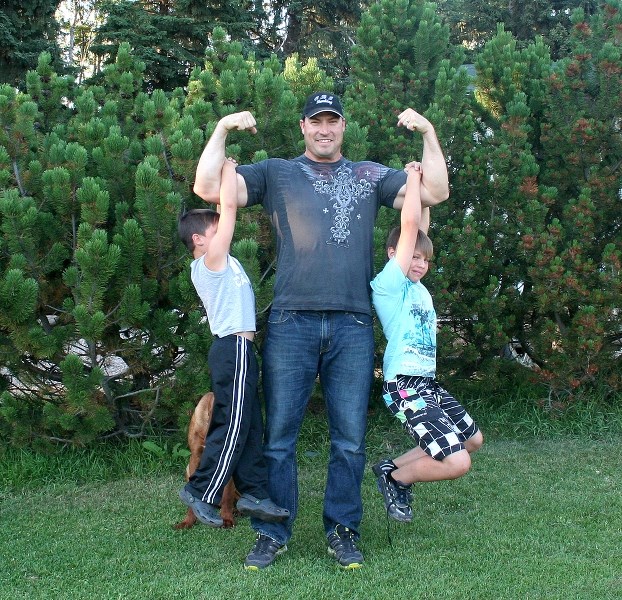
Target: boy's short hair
424, 243
194, 221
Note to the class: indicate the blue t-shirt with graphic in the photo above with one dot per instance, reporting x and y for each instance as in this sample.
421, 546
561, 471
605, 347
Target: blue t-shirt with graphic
408, 319
323, 217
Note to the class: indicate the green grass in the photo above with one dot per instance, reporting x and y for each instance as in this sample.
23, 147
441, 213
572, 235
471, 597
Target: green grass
538, 517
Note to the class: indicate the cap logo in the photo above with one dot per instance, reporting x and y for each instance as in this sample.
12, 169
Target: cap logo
323, 99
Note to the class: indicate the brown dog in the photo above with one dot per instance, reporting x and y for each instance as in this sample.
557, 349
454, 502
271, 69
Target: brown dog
197, 430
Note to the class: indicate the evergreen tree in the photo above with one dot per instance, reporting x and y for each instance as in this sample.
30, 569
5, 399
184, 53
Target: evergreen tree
77, 20
474, 22
27, 28
170, 36
535, 216
313, 29
101, 331
403, 58
576, 275
401, 46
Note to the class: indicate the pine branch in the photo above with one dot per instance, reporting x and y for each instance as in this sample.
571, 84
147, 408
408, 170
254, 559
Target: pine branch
169, 168
18, 179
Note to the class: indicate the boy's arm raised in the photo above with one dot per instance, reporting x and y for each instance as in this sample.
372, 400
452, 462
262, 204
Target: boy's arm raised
219, 246
410, 218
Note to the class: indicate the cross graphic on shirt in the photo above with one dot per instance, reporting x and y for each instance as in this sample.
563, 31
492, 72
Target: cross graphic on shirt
345, 191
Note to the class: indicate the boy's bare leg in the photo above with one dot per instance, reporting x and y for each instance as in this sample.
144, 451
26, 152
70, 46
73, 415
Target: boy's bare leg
422, 467
410, 469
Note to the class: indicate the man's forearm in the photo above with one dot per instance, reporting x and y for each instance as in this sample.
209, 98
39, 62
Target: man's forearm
435, 181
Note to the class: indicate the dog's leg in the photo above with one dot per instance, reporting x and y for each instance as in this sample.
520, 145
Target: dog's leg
197, 430
230, 496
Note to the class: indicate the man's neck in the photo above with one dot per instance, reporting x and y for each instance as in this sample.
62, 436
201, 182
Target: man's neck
319, 159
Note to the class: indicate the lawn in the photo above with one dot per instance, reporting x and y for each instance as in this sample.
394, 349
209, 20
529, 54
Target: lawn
536, 518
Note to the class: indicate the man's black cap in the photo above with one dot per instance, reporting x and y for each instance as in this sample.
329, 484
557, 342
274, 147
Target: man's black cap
322, 102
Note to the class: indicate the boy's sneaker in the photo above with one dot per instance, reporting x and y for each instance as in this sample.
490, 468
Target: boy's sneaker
263, 553
206, 513
386, 465
397, 498
342, 545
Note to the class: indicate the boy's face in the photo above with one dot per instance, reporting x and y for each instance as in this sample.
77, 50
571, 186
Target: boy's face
202, 240
418, 266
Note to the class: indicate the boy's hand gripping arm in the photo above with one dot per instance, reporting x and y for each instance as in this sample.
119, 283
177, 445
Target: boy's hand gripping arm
410, 217
207, 180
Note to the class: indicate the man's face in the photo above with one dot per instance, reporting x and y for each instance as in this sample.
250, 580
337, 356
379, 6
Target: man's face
323, 134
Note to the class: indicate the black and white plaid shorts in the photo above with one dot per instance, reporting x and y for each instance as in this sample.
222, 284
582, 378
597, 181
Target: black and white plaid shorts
430, 414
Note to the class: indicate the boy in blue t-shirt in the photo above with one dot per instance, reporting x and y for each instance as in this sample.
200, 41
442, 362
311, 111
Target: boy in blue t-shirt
444, 432
233, 445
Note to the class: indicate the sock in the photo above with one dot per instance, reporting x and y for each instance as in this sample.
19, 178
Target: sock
387, 466
396, 482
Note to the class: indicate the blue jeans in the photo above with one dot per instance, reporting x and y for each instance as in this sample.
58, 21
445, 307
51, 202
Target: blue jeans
299, 346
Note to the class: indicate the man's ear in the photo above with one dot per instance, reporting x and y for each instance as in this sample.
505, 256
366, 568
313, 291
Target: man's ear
391, 252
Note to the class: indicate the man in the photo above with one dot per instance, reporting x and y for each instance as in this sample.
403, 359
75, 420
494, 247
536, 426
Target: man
322, 209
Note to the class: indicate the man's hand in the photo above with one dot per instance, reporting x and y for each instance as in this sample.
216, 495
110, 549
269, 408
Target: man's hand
413, 121
242, 121
434, 177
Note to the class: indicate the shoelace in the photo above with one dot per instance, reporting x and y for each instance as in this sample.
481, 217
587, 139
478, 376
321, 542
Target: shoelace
263, 543
403, 496
347, 540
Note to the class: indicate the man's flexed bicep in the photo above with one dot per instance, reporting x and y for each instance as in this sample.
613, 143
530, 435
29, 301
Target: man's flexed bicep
434, 182
209, 169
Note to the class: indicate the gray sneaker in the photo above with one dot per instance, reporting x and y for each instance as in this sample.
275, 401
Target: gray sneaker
263, 553
397, 498
208, 514
342, 545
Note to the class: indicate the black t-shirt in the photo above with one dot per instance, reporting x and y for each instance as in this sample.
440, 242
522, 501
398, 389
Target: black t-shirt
323, 217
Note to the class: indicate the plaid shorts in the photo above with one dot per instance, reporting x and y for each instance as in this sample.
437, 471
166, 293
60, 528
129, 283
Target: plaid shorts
434, 418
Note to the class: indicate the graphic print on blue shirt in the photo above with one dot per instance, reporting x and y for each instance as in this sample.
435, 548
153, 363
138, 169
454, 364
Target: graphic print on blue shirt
418, 347
423, 334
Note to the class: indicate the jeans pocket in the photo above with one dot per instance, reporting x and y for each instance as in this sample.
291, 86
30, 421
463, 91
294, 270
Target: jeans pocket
360, 319
278, 317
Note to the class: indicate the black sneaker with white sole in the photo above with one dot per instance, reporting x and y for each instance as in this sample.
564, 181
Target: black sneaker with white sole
385, 465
